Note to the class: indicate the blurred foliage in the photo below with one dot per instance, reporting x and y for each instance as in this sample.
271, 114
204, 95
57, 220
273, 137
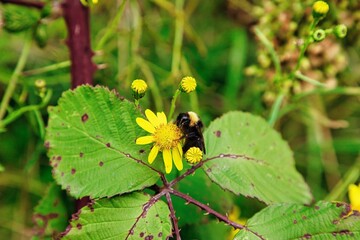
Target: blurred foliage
233, 70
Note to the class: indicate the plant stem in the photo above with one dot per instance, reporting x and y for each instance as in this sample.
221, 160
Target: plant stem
173, 102
351, 176
15, 76
179, 31
155, 92
111, 27
272, 52
173, 216
304, 47
16, 114
48, 68
276, 109
211, 211
314, 82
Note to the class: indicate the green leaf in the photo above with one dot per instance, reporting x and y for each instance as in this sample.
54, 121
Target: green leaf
325, 220
250, 158
91, 141
50, 215
131, 216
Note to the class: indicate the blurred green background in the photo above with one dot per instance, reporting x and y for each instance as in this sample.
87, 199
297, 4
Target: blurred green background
234, 71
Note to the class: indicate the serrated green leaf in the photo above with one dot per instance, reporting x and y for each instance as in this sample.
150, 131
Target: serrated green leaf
250, 158
91, 140
325, 220
131, 216
50, 215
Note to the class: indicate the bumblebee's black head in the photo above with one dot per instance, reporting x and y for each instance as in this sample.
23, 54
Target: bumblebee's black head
188, 119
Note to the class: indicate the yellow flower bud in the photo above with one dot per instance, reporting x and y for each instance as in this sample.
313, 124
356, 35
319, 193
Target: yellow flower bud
194, 155
320, 9
139, 88
187, 84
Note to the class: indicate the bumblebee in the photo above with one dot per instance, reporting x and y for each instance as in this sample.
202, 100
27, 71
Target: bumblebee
191, 127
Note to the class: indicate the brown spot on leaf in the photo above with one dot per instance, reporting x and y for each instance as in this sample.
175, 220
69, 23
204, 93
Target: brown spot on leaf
56, 202
47, 144
217, 133
68, 189
78, 226
73, 171
295, 222
149, 237
108, 145
58, 158
101, 164
160, 234
62, 174
317, 207
307, 235
304, 217
142, 234
81, 154
141, 151
84, 117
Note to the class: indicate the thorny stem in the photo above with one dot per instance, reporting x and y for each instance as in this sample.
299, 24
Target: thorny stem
172, 215
211, 211
77, 21
15, 76
34, 4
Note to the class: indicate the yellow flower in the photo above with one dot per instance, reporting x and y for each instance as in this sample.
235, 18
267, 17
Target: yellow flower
320, 9
194, 155
188, 84
354, 196
166, 138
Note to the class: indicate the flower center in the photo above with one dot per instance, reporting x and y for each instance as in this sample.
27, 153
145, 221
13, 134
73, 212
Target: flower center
167, 136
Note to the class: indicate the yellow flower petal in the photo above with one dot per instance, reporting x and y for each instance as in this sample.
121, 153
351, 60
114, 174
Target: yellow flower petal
354, 196
153, 119
179, 147
167, 160
146, 125
177, 159
153, 153
162, 117
145, 140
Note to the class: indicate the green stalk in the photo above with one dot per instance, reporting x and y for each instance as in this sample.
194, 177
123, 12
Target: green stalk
16, 114
276, 109
179, 31
304, 47
314, 82
49, 68
173, 102
271, 50
15, 76
111, 27
340, 189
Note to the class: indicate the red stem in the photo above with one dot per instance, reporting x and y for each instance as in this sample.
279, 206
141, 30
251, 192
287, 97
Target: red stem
34, 4
77, 21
